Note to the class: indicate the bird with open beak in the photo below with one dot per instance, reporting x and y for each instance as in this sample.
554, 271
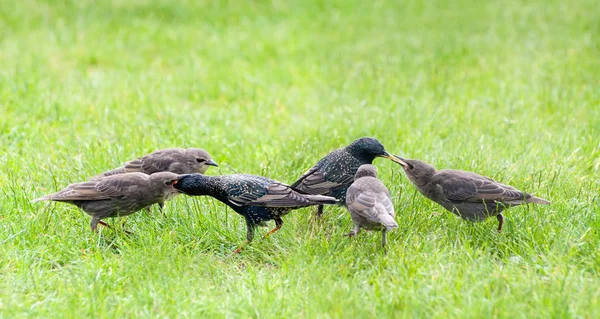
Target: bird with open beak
334, 173
118, 195
174, 160
471, 196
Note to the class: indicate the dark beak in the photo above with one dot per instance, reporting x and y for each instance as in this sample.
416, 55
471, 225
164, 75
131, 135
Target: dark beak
211, 163
394, 158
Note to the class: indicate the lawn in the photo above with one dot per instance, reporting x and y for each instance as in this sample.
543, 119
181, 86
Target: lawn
508, 89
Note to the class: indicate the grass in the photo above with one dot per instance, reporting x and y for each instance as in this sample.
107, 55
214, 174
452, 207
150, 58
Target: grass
508, 89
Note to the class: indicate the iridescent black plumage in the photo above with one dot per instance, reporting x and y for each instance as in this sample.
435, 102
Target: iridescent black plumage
257, 198
334, 173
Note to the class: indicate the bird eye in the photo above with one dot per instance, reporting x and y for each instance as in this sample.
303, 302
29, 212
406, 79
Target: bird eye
167, 183
200, 160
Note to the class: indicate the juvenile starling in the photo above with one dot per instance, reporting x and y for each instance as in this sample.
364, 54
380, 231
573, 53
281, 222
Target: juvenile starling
257, 198
174, 160
370, 204
468, 195
117, 195
334, 173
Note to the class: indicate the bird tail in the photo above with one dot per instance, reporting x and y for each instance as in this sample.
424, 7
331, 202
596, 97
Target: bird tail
388, 222
537, 200
321, 199
47, 197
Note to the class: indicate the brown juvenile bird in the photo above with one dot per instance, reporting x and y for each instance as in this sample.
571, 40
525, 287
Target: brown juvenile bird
334, 173
174, 160
468, 195
370, 204
117, 195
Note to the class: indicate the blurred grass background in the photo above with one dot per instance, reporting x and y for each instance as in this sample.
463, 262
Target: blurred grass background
508, 89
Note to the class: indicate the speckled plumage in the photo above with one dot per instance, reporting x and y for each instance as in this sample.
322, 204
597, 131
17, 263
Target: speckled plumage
175, 160
471, 196
257, 198
370, 204
334, 173
117, 195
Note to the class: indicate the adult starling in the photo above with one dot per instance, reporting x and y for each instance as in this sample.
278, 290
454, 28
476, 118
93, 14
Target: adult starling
468, 195
257, 198
117, 195
370, 204
175, 160
334, 173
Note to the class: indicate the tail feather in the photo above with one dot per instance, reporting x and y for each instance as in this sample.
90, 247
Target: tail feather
40, 199
388, 221
321, 199
538, 200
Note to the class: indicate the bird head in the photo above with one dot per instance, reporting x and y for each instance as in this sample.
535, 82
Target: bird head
194, 184
366, 170
417, 171
166, 181
200, 159
368, 148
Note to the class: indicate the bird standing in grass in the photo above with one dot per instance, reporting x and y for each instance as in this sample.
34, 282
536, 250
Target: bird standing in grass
174, 160
117, 195
334, 173
370, 204
257, 198
468, 195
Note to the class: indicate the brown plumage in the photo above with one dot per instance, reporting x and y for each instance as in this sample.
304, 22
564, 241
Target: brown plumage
468, 195
370, 204
117, 195
174, 160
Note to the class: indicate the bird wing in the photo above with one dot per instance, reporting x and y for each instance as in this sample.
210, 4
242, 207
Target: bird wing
79, 191
315, 181
274, 194
376, 206
476, 188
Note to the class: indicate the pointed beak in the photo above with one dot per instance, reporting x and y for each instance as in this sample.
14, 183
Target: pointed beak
211, 163
394, 158
180, 177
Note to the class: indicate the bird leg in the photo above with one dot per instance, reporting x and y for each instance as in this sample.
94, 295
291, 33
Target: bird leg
384, 240
249, 236
319, 211
500, 222
354, 231
278, 225
162, 211
95, 222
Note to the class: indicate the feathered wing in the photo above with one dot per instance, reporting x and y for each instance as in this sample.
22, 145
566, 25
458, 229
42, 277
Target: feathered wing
267, 193
316, 182
106, 188
375, 206
475, 188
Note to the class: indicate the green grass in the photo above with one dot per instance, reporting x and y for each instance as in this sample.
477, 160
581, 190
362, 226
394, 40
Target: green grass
509, 89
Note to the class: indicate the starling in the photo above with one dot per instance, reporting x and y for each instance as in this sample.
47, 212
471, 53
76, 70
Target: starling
370, 204
471, 196
117, 195
257, 198
334, 173
175, 160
